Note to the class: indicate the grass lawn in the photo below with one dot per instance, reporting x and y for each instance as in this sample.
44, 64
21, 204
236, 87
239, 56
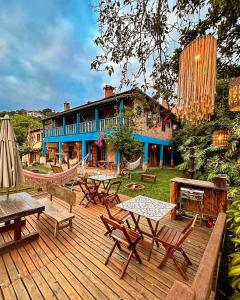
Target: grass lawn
41, 168
159, 190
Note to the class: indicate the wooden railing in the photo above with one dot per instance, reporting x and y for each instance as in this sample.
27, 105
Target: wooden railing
88, 126
204, 282
56, 131
71, 129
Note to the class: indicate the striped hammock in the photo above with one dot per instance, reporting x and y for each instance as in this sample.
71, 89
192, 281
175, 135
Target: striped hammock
40, 180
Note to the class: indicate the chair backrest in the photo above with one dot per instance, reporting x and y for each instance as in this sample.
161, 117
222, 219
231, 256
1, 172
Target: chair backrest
85, 187
56, 169
62, 193
186, 231
113, 225
106, 201
114, 185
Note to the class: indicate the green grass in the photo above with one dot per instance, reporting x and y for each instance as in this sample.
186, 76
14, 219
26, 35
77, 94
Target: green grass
41, 168
19, 188
159, 190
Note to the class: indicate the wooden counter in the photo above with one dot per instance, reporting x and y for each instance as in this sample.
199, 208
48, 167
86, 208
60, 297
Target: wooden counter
215, 198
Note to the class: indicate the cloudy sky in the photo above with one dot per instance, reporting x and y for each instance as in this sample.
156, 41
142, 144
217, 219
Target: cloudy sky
46, 47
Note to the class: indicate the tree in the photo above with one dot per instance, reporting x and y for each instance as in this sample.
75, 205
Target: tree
150, 34
47, 112
21, 124
122, 139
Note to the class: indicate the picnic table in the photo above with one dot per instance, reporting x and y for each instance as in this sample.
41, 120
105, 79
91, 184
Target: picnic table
151, 209
104, 179
12, 211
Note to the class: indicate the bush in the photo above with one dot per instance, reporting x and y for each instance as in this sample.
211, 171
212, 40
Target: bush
233, 222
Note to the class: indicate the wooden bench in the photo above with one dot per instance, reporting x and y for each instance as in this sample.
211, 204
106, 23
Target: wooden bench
150, 177
57, 213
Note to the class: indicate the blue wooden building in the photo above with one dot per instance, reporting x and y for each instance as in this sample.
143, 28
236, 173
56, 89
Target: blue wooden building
75, 130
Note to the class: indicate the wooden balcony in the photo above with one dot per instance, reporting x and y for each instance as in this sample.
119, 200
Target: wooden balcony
87, 127
71, 266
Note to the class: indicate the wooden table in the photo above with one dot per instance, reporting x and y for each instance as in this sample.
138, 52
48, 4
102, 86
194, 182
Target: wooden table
102, 179
214, 201
151, 209
11, 213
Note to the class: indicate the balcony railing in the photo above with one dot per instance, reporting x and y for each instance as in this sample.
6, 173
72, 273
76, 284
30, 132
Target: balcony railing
87, 126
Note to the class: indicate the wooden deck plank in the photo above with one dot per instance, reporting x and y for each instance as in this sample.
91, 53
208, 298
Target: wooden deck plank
4, 279
8, 293
43, 286
71, 266
20, 290
32, 288
54, 284
69, 290
88, 279
78, 285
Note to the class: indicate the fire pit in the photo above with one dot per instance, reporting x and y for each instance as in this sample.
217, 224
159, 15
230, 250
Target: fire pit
134, 186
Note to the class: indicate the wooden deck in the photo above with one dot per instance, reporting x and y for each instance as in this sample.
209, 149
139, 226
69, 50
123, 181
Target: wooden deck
72, 265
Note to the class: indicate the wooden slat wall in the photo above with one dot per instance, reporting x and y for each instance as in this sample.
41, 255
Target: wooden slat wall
71, 266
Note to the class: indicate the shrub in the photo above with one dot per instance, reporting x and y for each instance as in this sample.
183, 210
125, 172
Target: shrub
233, 222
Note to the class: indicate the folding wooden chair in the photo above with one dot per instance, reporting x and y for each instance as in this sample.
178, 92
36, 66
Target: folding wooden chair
112, 190
122, 236
172, 241
120, 215
90, 192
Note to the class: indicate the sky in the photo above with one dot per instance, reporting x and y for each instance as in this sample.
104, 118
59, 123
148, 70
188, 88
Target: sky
46, 48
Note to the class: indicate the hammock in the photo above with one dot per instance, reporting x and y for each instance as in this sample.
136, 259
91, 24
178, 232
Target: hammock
40, 180
133, 165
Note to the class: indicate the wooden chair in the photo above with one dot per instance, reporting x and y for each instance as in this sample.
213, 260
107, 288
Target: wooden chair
112, 190
120, 215
172, 241
90, 192
122, 236
56, 169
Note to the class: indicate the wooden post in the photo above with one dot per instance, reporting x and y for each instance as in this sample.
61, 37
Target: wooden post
173, 198
161, 156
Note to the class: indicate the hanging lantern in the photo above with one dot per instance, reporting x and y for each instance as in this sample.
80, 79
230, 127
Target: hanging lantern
197, 79
234, 94
220, 138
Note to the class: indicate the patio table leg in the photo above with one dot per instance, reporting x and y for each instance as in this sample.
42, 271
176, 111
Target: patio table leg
107, 185
153, 230
18, 239
17, 229
136, 223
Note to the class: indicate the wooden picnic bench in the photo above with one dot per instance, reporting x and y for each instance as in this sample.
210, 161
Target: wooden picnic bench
12, 214
57, 213
150, 177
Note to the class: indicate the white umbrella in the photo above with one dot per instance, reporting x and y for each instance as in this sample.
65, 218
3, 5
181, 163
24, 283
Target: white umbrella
10, 165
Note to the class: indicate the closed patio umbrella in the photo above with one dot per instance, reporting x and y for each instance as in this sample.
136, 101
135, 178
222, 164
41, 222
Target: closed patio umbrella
10, 165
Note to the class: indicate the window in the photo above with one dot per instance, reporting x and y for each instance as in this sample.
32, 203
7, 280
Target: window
38, 137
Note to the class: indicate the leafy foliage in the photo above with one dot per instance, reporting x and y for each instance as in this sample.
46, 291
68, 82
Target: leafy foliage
122, 139
210, 160
21, 124
151, 35
233, 221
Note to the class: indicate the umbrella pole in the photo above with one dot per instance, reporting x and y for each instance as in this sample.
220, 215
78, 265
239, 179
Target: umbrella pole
7, 193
